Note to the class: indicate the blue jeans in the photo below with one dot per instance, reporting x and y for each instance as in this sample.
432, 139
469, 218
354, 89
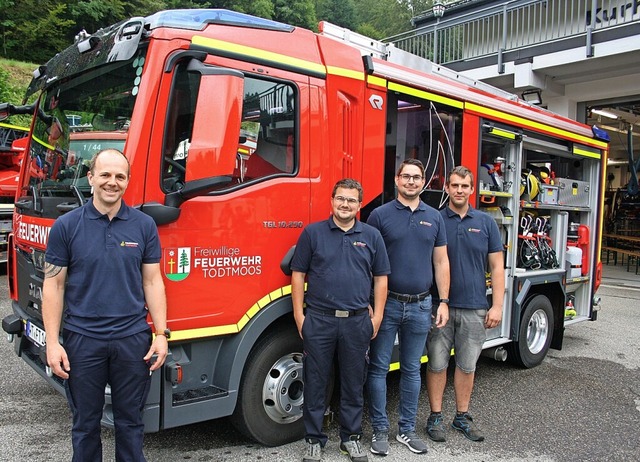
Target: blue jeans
411, 322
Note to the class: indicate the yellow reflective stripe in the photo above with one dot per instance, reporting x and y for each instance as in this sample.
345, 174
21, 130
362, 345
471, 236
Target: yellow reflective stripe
46, 145
14, 127
581, 151
425, 95
373, 80
396, 366
532, 124
189, 334
357, 75
275, 59
502, 133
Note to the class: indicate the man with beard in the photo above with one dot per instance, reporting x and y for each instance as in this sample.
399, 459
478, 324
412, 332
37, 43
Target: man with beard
473, 242
416, 242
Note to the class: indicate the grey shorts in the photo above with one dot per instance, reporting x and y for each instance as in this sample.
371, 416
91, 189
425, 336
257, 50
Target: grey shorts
465, 333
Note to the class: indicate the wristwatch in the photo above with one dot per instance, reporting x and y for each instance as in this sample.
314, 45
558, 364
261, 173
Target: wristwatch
442, 300
166, 333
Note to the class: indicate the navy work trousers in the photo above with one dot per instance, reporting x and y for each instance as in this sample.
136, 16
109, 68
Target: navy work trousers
94, 364
323, 335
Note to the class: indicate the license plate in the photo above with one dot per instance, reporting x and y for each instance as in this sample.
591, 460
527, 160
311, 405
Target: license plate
35, 334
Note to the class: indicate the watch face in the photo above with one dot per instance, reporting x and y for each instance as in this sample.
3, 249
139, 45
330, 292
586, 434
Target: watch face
167, 332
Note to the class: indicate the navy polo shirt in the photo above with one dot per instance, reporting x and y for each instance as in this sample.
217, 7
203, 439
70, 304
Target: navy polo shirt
470, 241
340, 265
410, 236
104, 297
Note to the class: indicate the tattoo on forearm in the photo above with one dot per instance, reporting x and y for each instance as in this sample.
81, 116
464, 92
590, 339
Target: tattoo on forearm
51, 270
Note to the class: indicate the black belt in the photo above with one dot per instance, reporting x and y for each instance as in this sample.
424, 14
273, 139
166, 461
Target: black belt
339, 313
407, 298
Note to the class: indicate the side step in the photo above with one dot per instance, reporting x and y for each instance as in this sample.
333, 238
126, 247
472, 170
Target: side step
198, 394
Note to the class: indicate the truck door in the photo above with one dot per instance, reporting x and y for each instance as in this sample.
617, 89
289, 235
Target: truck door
222, 254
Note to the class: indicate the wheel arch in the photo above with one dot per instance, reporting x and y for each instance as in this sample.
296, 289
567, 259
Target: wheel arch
550, 287
235, 350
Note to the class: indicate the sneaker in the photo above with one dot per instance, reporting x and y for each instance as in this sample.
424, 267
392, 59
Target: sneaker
314, 451
464, 423
435, 428
413, 442
380, 443
353, 449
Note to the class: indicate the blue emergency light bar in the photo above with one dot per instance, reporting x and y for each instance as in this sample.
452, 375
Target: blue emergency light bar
199, 19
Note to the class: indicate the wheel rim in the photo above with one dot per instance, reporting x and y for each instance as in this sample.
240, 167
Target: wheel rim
282, 395
537, 331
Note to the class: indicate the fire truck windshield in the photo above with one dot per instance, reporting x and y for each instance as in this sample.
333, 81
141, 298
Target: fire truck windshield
99, 103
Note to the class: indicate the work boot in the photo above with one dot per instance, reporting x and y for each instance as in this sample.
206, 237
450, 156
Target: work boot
435, 427
314, 451
353, 449
463, 422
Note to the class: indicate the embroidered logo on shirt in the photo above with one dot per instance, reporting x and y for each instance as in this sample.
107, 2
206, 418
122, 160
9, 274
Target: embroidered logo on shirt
128, 244
359, 244
425, 223
473, 230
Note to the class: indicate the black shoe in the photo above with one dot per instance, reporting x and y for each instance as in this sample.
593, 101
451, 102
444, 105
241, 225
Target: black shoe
380, 443
435, 428
413, 442
464, 423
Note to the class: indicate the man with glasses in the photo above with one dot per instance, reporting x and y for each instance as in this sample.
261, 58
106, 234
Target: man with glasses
474, 241
342, 259
416, 242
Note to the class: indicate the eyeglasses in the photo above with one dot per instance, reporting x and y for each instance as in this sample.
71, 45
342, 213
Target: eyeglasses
348, 200
406, 177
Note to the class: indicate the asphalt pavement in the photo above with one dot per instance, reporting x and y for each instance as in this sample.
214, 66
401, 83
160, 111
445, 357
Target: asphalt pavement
581, 404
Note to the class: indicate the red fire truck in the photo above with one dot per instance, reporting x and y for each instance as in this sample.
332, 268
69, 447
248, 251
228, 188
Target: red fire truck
12, 145
236, 130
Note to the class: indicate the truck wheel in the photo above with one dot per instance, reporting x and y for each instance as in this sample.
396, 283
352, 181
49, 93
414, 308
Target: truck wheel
269, 408
536, 330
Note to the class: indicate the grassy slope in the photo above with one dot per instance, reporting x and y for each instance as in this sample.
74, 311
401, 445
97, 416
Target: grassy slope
19, 78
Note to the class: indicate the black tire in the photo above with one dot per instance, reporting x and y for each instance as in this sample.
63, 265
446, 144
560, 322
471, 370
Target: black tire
270, 398
535, 333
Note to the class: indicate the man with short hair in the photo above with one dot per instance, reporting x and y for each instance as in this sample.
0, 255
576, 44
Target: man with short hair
473, 242
416, 242
342, 259
102, 278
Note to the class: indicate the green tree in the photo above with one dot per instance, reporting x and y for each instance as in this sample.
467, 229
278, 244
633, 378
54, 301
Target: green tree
6, 25
39, 30
389, 17
184, 260
300, 13
339, 12
34, 30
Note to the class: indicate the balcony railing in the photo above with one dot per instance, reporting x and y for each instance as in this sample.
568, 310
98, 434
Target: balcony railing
514, 25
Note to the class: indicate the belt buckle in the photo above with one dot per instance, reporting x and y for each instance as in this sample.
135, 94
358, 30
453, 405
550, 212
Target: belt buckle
405, 298
342, 313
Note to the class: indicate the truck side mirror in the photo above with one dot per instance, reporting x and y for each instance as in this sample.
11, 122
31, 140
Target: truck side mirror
4, 111
216, 126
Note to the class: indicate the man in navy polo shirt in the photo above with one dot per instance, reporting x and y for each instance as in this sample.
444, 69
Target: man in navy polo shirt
102, 277
415, 238
473, 241
342, 259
